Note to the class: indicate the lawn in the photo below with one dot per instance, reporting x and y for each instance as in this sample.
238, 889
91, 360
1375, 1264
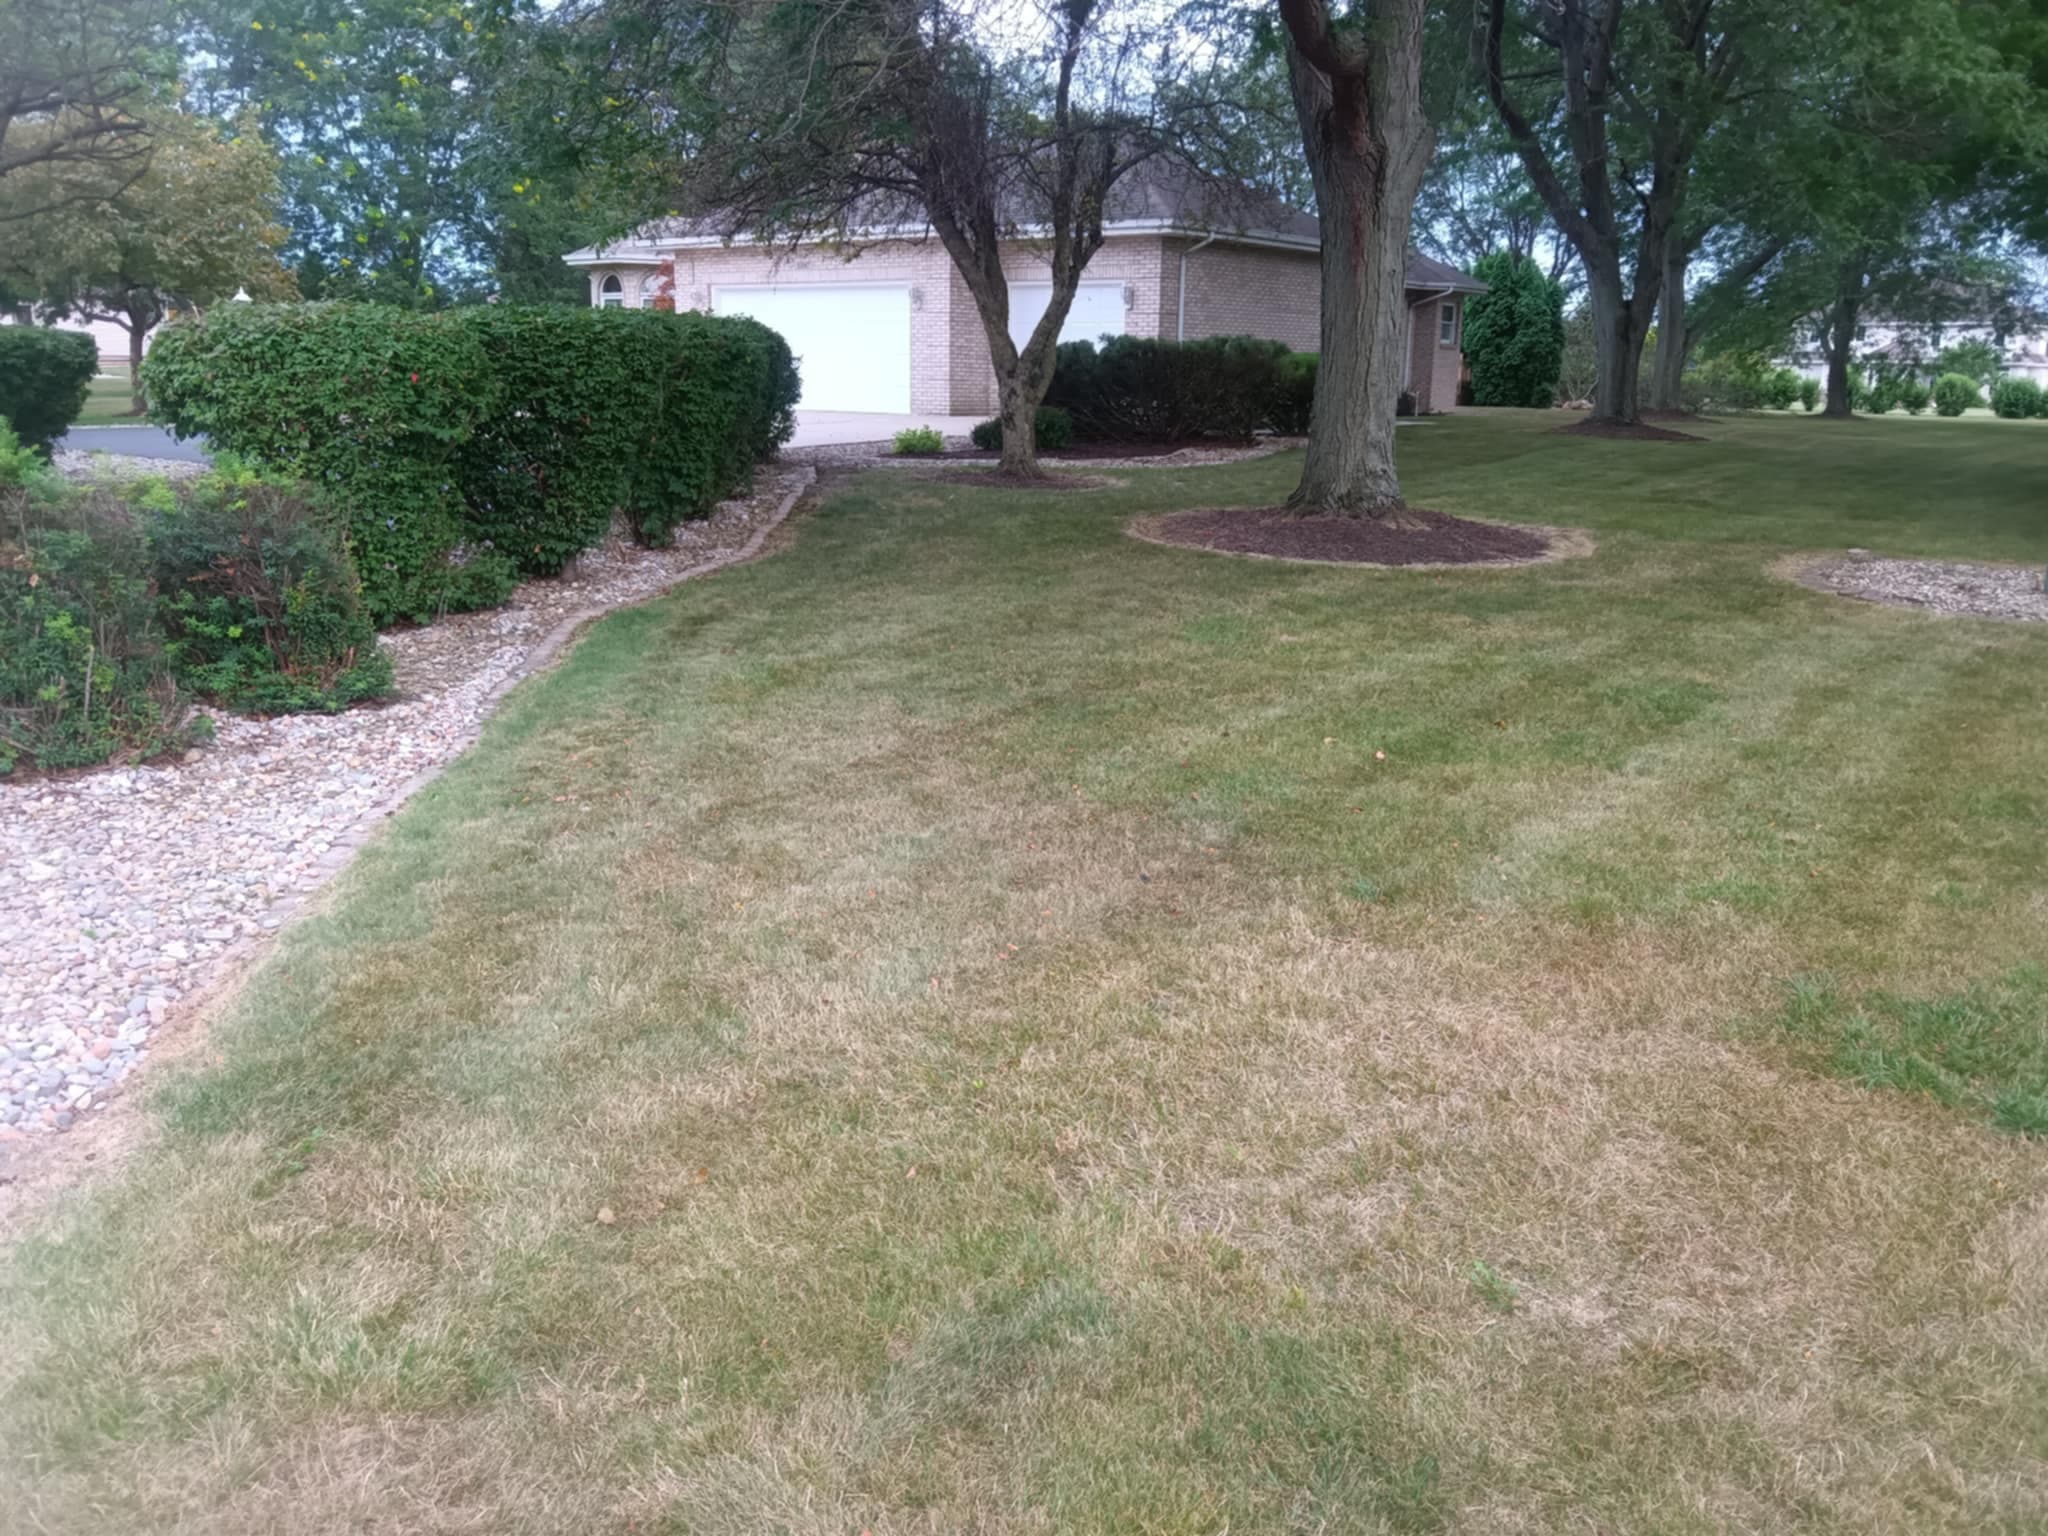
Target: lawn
111, 403
979, 1023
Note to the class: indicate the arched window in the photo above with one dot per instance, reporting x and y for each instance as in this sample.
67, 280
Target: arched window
611, 293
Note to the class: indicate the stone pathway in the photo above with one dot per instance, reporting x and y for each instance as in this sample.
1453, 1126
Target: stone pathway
122, 889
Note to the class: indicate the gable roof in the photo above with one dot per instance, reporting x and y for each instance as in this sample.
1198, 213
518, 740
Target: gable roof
1159, 198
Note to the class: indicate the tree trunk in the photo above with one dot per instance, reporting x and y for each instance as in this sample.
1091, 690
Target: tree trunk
1019, 411
1840, 337
137, 405
1667, 379
1368, 144
1618, 346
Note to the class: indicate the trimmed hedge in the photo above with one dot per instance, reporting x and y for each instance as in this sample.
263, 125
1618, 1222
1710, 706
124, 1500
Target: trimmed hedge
45, 377
366, 403
1137, 389
1052, 430
1295, 399
467, 446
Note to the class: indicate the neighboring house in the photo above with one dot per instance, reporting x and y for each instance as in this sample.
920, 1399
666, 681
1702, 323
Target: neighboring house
891, 327
2025, 353
107, 336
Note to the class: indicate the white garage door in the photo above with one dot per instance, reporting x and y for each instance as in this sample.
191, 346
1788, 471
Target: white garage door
851, 340
1098, 311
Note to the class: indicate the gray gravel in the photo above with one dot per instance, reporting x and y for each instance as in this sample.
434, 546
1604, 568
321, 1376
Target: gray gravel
84, 465
1940, 586
122, 889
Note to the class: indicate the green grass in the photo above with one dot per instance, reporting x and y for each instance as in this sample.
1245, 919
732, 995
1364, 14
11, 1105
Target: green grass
111, 403
956, 1026
1985, 1049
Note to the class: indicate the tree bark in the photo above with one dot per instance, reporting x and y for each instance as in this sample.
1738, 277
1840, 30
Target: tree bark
1839, 338
1674, 344
135, 401
1368, 143
1618, 347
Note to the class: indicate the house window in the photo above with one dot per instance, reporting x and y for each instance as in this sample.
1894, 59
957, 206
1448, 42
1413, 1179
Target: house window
611, 293
1447, 325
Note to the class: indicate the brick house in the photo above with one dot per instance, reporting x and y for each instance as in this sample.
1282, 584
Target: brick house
891, 327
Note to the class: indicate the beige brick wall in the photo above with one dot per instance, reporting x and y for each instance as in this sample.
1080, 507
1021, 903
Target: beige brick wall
1247, 290
1433, 366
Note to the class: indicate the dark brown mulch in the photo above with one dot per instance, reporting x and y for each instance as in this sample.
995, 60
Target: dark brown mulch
996, 480
1641, 431
1422, 538
1081, 452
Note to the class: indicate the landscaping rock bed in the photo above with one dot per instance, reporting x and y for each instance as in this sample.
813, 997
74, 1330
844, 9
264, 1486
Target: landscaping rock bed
1956, 587
1422, 538
85, 465
123, 889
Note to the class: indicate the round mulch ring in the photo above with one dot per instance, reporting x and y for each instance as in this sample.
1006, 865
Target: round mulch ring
1639, 431
1423, 538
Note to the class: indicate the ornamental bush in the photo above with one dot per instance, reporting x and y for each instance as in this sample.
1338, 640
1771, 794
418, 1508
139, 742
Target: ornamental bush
1139, 389
2016, 398
918, 442
257, 596
82, 671
1809, 394
370, 406
1514, 332
45, 377
1913, 394
1781, 389
1954, 393
1052, 429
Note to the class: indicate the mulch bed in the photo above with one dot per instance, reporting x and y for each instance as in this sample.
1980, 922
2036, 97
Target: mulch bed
1641, 431
1081, 452
1423, 538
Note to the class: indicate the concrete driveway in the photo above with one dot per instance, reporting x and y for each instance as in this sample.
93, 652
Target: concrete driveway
144, 442
816, 429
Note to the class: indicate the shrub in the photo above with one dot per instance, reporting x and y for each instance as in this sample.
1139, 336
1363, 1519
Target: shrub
1137, 389
45, 376
366, 403
542, 476
914, 442
258, 598
713, 396
1809, 395
82, 672
1051, 427
1514, 332
1294, 400
1978, 361
2016, 398
1954, 393
1405, 403
1781, 389
1737, 382
1913, 394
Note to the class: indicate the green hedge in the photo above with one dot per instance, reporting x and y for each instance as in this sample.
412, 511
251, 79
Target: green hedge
1137, 389
1295, 399
368, 404
467, 446
45, 377
1051, 429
